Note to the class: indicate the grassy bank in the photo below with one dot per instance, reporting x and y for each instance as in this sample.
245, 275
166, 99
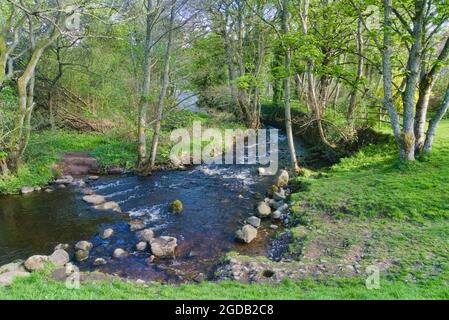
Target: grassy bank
40, 287
117, 148
368, 210
373, 183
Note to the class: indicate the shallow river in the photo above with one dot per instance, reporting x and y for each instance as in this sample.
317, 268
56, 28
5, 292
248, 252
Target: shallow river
216, 200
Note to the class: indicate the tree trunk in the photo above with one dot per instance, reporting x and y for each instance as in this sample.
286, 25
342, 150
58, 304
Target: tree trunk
388, 73
408, 136
3, 59
353, 94
288, 117
434, 122
425, 90
18, 141
165, 83
144, 100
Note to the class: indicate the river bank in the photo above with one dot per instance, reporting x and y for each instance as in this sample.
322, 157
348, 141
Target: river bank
345, 220
333, 245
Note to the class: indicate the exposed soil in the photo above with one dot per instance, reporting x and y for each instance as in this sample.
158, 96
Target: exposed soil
78, 163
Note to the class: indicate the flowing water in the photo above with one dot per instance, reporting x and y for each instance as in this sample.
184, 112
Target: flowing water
216, 200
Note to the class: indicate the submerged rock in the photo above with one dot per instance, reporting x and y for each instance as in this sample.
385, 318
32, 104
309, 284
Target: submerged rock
59, 258
80, 183
164, 246
84, 245
94, 199
282, 178
36, 263
142, 246
135, 225
107, 233
145, 235
263, 210
254, 221
81, 255
119, 253
99, 262
176, 206
247, 234
87, 191
110, 205
93, 178
64, 180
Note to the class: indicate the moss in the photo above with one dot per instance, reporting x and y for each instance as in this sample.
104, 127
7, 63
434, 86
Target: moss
176, 207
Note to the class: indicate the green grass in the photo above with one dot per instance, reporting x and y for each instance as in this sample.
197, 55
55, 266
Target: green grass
39, 286
367, 210
374, 183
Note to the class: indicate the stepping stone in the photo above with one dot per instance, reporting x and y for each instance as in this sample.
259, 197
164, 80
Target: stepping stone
94, 199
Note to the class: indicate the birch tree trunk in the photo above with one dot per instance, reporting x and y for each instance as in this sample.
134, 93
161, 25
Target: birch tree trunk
165, 83
144, 100
434, 122
407, 152
425, 90
21, 133
388, 73
288, 117
353, 94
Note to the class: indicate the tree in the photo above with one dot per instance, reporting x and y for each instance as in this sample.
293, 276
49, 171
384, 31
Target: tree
145, 96
287, 62
164, 85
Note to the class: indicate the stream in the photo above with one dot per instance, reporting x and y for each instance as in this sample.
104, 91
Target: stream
216, 200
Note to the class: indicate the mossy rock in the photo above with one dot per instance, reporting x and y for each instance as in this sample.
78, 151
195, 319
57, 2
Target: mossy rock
176, 207
274, 188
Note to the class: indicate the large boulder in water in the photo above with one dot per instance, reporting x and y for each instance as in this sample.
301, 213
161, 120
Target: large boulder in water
106, 233
83, 245
36, 263
110, 205
141, 246
59, 258
176, 206
136, 225
263, 209
247, 234
282, 178
81, 255
94, 199
119, 253
64, 180
145, 235
254, 221
26, 190
164, 246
